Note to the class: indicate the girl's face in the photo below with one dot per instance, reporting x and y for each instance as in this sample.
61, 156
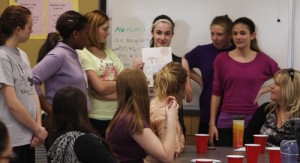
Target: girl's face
103, 31
162, 34
219, 37
241, 35
82, 37
275, 90
24, 33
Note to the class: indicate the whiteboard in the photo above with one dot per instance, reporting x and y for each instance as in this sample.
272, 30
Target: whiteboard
131, 22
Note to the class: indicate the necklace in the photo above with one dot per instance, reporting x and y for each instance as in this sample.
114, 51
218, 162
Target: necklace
282, 118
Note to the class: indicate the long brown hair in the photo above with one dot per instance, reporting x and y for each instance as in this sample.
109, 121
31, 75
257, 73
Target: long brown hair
70, 114
11, 18
133, 100
96, 19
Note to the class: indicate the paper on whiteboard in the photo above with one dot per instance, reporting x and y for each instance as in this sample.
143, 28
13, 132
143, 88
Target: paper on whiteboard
155, 59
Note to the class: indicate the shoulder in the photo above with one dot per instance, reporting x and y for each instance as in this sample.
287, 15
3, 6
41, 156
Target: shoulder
175, 58
3, 53
267, 60
109, 51
87, 139
88, 148
222, 55
85, 54
61, 50
156, 112
203, 48
264, 56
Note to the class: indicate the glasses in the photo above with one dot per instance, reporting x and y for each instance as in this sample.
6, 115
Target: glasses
291, 72
10, 157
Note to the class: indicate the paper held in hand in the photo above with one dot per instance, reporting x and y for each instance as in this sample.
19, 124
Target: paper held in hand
155, 59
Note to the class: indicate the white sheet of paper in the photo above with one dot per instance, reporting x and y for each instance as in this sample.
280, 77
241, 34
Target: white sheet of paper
155, 59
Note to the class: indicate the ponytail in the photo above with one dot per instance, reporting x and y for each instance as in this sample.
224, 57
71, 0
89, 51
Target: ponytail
52, 39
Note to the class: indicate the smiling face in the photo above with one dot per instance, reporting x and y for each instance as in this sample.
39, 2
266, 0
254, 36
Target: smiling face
219, 37
275, 89
241, 35
162, 34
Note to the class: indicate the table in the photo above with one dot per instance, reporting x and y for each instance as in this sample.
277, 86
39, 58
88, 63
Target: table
218, 154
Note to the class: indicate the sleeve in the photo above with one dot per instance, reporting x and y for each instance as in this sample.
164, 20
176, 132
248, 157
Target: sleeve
255, 124
272, 66
85, 60
48, 66
217, 76
191, 57
6, 75
24, 57
89, 149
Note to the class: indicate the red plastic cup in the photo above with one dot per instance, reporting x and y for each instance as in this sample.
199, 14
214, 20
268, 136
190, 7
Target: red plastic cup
204, 161
252, 152
274, 154
262, 140
235, 158
201, 142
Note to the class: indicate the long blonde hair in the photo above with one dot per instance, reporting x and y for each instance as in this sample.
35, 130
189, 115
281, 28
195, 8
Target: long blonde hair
289, 84
169, 81
133, 100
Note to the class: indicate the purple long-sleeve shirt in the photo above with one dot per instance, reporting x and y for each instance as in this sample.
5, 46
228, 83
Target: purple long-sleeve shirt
238, 84
58, 69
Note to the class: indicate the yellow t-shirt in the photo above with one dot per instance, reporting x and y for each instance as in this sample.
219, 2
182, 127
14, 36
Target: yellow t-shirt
106, 69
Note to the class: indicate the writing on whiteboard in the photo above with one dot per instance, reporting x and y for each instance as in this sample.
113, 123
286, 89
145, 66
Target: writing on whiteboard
129, 29
127, 42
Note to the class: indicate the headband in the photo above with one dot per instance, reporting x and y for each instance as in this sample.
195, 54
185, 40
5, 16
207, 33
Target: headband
161, 20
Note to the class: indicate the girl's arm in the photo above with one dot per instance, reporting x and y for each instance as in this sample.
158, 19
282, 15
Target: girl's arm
188, 84
214, 107
101, 87
17, 109
161, 150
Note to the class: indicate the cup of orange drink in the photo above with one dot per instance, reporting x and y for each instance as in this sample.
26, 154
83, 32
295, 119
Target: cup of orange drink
238, 132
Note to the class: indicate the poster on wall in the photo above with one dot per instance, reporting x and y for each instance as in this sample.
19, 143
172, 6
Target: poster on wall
45, 14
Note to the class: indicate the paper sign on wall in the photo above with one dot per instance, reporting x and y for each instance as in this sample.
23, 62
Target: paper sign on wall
155, 59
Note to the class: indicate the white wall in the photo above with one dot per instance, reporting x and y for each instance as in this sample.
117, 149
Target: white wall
297, 36
192, 19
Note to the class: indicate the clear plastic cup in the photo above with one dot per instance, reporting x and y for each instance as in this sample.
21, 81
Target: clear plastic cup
289, 151
238, 132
